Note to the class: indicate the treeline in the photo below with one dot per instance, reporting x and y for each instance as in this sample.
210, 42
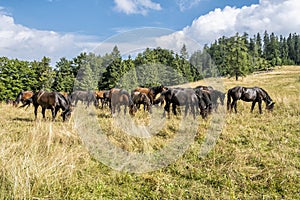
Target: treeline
240, 55
234, 56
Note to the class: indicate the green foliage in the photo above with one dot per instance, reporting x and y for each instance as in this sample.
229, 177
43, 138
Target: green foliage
234, 56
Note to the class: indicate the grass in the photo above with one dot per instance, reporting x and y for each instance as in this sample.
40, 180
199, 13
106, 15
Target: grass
231, 156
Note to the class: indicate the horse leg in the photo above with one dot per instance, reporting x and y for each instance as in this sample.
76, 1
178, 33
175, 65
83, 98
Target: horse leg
53, 113
35, 112
167, 109
174, 109
186, 109
125, 109
234, 105
43, 112
253, 105
193, 111
259, 107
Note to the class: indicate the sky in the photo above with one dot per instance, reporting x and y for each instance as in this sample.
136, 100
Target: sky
31, 29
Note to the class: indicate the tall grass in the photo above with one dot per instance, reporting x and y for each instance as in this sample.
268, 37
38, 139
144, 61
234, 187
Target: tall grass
255, 156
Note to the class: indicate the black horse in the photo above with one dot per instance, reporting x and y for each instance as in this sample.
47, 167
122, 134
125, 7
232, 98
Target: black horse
253, 94
50, 100
84, 96
205, 102
179, 97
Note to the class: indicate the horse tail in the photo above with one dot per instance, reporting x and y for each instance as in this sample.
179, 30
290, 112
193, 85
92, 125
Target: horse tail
228, 99
19, 97
128, 96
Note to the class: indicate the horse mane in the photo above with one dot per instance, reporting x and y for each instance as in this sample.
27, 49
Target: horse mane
267, 96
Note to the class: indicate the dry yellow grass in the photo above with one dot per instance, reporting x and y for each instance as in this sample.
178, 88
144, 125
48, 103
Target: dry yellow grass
255, 157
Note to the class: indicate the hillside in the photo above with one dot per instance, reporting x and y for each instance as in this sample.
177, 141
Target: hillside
255, 156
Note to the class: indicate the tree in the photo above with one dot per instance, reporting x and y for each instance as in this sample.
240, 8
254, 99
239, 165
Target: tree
64, 77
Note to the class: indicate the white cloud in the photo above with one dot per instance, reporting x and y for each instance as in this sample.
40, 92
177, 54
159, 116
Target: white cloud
278, 16
21, 42
186, 4
136, 6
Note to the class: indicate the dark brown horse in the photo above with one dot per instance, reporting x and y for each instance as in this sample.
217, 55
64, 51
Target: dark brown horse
179, 97
83, 96
118, 98
151, 92
103, 96
22, 96
139, 98
50, 100
217, 97
253, 94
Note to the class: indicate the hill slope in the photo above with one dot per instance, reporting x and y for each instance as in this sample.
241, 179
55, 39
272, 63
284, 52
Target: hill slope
255, 157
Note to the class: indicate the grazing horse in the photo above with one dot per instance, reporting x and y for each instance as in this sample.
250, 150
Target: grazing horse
9, 101
205, 103
139, 98
83, 96
253, 94
203, 87
214, 96
119, 97
179, 97
22, 96
50, 100
151, 92
103, 96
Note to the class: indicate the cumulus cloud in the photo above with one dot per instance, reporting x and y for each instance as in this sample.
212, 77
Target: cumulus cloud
136, 6
278, 16
21, 42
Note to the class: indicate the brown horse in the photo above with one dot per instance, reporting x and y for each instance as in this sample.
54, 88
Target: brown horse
119, 97
151, 92
50, 100
139, 98
103, 96
22, 96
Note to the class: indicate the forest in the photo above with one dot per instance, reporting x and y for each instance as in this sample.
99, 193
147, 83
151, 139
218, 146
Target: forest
234, 56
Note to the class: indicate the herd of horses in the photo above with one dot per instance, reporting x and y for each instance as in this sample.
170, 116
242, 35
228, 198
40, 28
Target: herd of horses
201, 100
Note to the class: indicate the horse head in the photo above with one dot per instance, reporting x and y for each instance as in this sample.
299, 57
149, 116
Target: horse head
270, 106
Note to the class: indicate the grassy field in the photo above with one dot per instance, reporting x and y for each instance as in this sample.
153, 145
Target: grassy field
255, 156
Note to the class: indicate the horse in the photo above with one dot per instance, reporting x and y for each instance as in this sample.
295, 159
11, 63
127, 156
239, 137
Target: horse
249, 94
139, 98
22, 96
151, 92
205, 102
103, 96
83, 96
204, 87
9, 101
179, 97
50, 100
119, 97
214, 96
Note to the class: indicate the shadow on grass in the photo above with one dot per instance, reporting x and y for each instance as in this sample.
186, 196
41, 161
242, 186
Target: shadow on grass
23, 119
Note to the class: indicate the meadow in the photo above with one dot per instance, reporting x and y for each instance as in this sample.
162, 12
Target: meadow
246, 156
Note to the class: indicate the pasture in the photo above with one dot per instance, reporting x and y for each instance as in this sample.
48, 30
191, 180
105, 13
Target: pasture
256, 156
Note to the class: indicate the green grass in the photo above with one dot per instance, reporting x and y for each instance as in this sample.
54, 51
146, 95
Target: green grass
255, 156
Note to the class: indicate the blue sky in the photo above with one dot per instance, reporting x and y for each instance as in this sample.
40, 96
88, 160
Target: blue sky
63, 28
